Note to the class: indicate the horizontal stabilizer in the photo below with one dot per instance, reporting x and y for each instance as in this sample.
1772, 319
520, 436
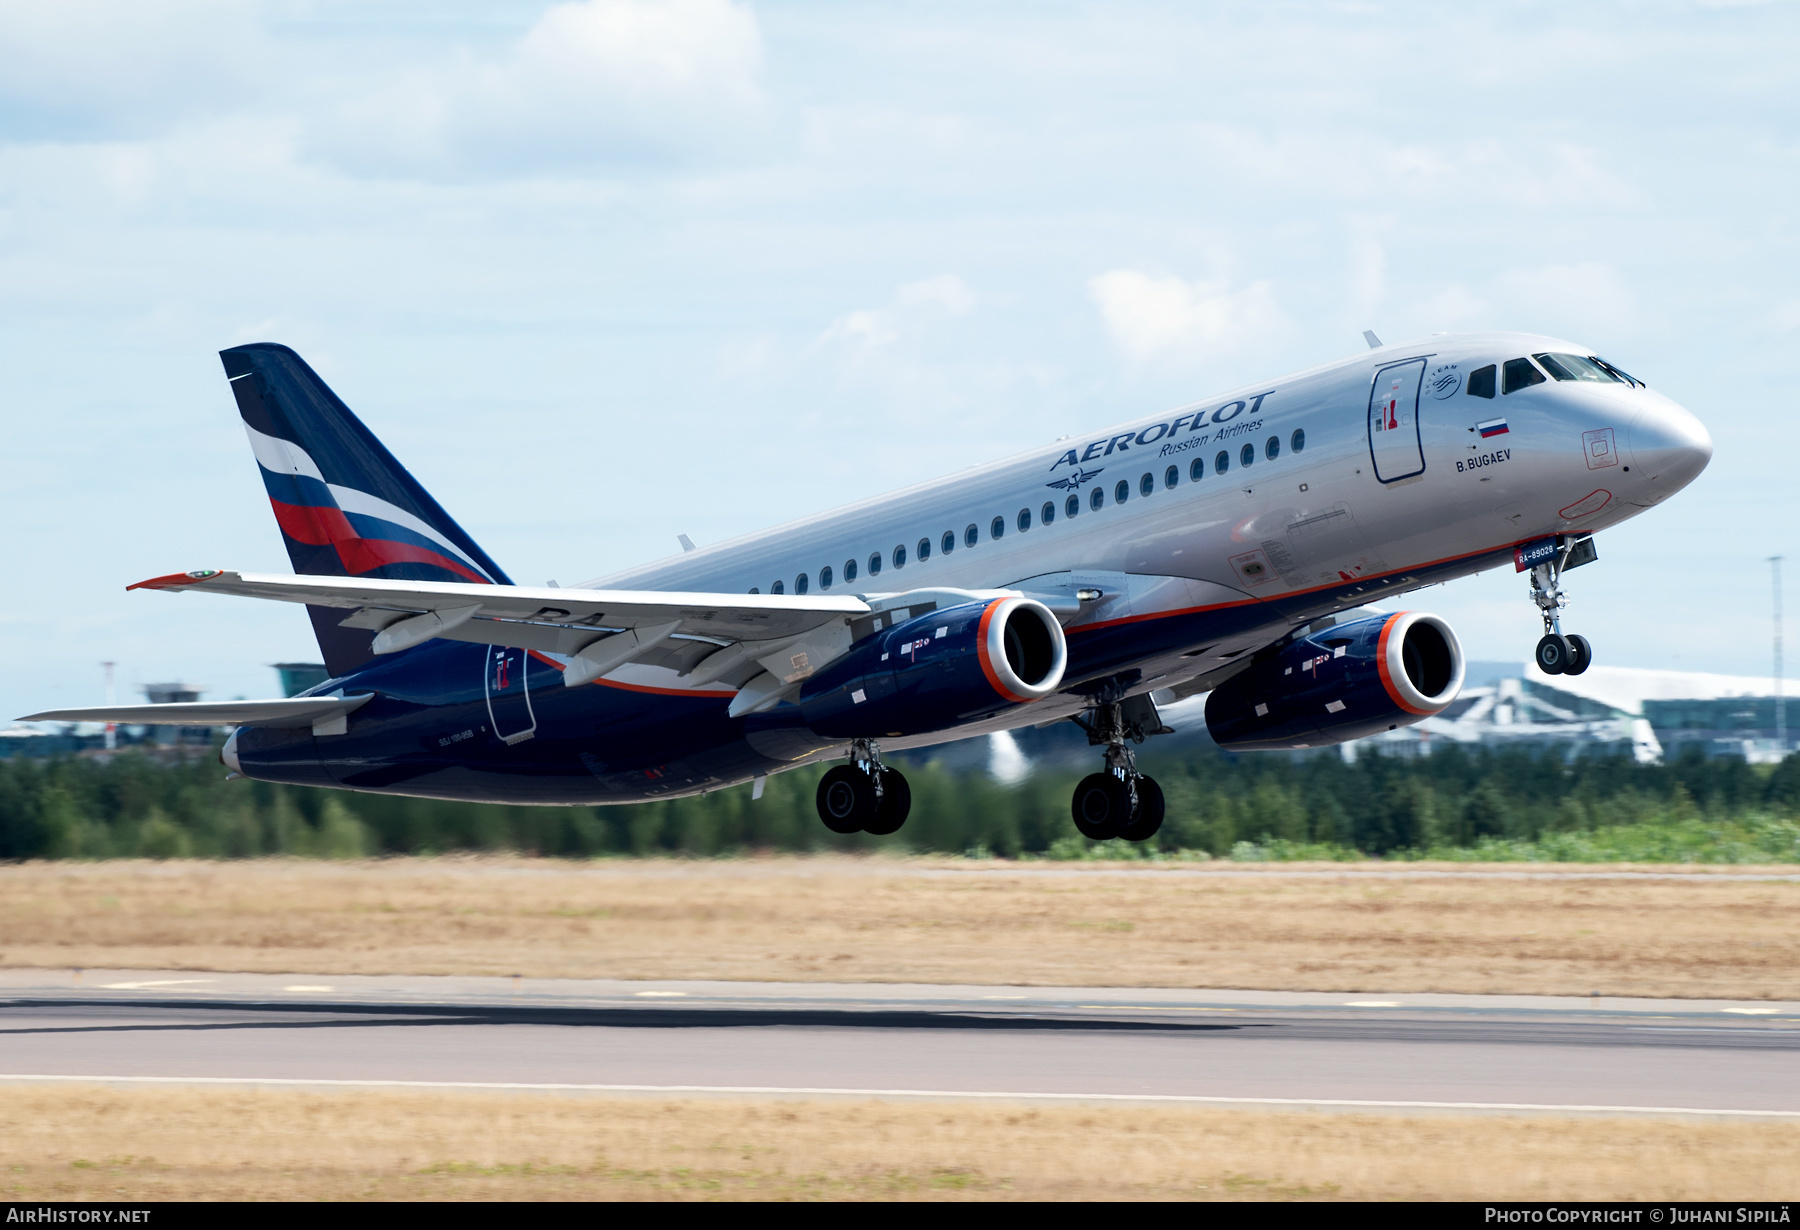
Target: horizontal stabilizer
298, 711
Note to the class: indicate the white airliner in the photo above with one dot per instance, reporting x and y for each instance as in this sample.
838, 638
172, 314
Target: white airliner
1221, 547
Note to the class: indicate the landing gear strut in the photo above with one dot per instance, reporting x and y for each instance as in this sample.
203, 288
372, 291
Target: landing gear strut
1558, 654
1119, 801
864, 796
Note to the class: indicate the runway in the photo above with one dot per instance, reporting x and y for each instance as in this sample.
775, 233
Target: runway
1443, 1052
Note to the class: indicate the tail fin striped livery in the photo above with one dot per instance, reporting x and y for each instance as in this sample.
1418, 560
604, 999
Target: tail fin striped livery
346, 507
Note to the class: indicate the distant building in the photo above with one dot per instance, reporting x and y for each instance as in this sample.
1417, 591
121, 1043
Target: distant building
1656, 712
177, 694
297, 677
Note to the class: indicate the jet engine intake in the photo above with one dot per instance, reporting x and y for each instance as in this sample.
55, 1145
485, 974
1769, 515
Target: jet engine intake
939, 670
1340, 683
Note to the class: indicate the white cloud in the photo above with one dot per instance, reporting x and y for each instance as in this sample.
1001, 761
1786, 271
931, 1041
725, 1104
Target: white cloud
1586, 299
1158, 316
591, 81
914, 307
107, 68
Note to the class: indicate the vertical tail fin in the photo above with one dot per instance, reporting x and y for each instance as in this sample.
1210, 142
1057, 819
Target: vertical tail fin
346, 507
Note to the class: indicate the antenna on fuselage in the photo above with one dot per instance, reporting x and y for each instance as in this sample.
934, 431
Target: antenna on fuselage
1369, 337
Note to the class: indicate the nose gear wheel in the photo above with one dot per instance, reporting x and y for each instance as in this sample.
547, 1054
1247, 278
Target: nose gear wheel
1557, 654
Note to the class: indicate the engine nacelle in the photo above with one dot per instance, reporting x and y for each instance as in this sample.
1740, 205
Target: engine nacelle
939, 670
1340, 683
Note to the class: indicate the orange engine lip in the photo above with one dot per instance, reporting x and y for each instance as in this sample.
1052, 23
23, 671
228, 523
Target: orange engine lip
1387, 678
986, 659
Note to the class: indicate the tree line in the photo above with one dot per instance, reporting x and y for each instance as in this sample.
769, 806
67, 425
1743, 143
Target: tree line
137, 805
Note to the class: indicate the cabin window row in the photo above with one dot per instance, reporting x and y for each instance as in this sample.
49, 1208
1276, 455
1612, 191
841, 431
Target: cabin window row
996, 528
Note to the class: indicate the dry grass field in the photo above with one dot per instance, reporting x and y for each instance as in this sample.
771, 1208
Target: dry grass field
96, 1143
888, 920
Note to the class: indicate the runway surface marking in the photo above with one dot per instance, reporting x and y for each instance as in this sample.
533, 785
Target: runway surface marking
957, 1094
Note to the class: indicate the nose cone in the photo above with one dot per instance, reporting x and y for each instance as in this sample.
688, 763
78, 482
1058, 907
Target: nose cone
1669, 448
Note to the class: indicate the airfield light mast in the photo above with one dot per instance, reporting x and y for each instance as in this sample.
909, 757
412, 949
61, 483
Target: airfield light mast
112, 728
1780, 700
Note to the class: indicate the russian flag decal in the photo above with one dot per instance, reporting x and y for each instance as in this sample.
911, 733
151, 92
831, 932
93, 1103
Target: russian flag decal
1493, 427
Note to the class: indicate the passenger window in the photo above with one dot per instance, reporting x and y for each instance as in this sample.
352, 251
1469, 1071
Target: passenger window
778, 588
949, 542
971, 535
1024, 519
1147, 485
825, 577
1048, 512
1097, 499
800, 584
1222, 462
756, 589
924, 549
1481, 381
1171, 476
1071, 506
849, 571
997, 527
1520, 374
1297, 441
1272, 449
1196, 468
1574, 367
1247, 454
875, 564
1121, 492
899, 557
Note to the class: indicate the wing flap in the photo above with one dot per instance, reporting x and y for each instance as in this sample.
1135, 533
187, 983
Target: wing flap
582, 613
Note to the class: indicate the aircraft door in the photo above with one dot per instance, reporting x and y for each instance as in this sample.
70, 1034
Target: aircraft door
506, 682
1394, 445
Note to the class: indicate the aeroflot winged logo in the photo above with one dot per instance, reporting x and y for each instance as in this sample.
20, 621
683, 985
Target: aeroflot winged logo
1073, 481
1234, 418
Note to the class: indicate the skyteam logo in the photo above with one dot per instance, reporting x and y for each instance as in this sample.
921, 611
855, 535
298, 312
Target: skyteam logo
369, 534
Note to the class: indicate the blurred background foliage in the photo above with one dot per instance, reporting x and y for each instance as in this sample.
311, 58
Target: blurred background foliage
1479, 803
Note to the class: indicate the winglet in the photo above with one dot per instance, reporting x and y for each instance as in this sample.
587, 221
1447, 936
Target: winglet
175, 580
1369, 337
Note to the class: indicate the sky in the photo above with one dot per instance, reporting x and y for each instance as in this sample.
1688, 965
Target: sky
605, 272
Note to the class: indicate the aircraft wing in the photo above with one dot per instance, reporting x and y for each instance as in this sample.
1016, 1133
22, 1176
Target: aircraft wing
406, 613
294, 711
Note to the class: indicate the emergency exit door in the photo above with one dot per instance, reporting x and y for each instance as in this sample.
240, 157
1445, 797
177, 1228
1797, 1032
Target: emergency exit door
1394, 444
507, 683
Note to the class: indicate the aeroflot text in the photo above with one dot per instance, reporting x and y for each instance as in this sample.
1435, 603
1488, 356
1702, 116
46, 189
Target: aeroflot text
1158, 431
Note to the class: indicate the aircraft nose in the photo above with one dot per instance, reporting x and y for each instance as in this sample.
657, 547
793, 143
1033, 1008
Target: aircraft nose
1669, 449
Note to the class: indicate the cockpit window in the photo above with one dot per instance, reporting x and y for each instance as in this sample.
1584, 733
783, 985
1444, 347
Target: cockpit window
1520, 374
1574, 367
1481, 381
1618, 371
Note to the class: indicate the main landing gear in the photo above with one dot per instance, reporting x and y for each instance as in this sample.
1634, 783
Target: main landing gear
863, 796
1119, 801
1558, 654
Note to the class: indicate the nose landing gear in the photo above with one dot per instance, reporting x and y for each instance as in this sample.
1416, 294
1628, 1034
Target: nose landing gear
1556, 653
1119, 801
864, 796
